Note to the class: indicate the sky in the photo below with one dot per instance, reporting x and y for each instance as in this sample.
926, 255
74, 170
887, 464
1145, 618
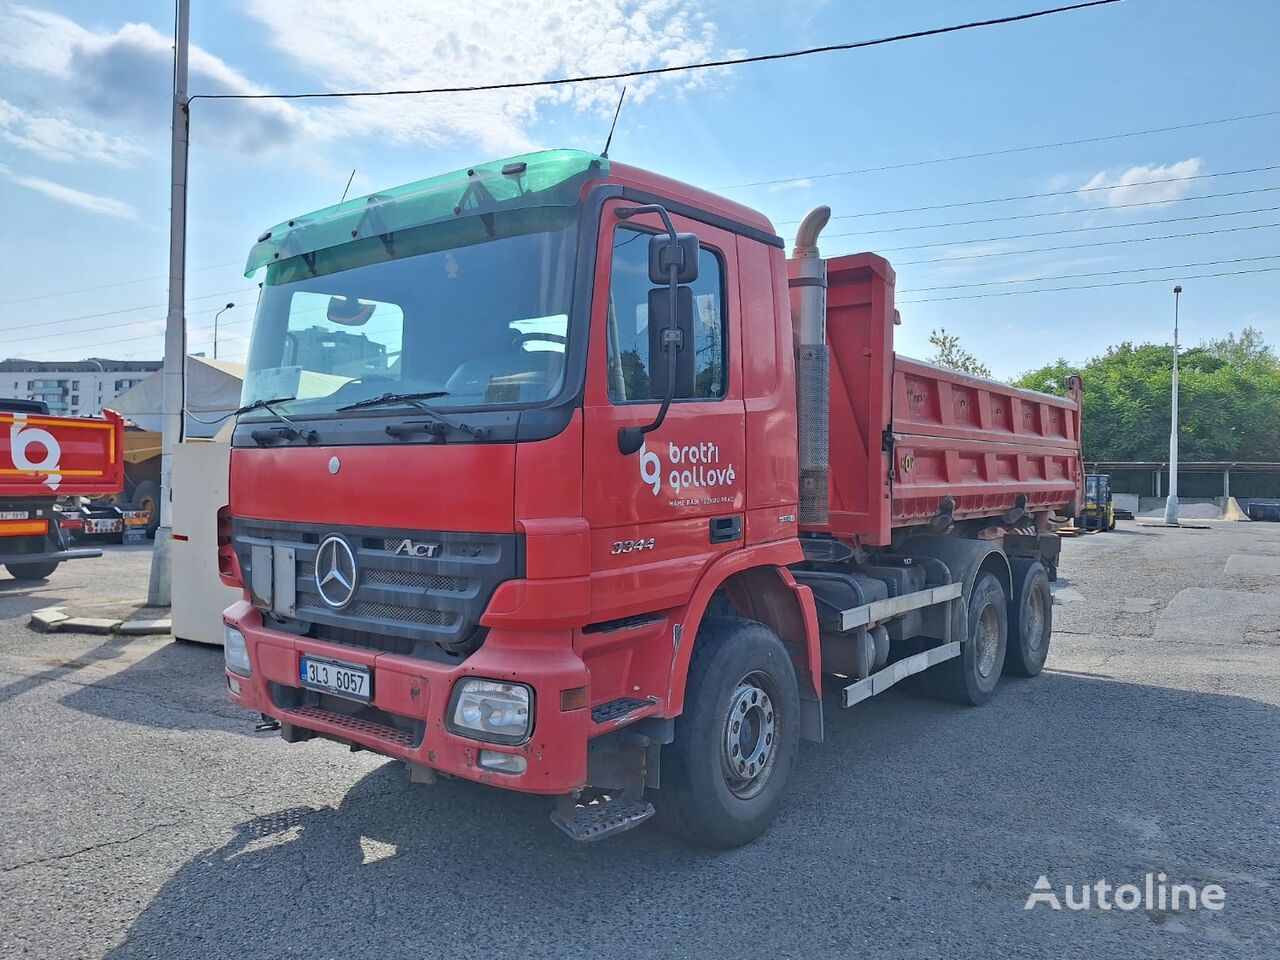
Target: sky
85, 110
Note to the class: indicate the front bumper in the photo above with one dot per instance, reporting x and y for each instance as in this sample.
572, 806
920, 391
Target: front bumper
417, 692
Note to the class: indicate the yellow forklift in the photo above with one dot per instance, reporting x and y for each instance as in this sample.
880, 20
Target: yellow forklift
1099, 512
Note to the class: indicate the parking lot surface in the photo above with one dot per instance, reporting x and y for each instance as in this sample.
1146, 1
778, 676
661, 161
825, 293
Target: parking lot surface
142, 816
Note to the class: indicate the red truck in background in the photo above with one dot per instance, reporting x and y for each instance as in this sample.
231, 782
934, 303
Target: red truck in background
43, 458
558, 475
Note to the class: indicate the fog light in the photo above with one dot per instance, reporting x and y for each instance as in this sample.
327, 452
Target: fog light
233, 685
504, 762
236, 652
489, 710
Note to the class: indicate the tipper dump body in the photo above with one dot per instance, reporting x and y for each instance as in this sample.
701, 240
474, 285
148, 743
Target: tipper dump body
906, 435
42, 458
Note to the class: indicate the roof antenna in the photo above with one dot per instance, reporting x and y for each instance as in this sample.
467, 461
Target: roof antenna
605, 153
348, 186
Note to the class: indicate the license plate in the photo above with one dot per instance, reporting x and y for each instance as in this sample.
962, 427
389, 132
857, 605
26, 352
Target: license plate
340, 679
14, 515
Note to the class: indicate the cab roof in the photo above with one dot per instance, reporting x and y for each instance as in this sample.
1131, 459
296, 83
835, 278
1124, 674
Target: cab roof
542, 179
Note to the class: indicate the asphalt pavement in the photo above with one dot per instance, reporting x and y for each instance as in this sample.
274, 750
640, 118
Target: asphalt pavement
143, 817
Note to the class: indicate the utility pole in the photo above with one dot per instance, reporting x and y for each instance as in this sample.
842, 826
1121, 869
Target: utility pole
175, 331
1171, 503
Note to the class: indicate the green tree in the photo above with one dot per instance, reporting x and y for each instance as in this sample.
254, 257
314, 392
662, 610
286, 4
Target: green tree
949, 353
1229, 399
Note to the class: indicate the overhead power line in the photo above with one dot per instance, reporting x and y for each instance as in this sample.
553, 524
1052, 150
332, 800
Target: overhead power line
1084, 246
1004, 151
654, 71
1041, 196
900, 263
1054, 213
1094, 286
108, 286
1081, 276
1055, 233
122, 310
119, 324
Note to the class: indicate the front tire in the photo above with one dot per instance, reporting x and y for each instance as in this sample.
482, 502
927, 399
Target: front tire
1030, 618
971, 678
32, 571
725, 775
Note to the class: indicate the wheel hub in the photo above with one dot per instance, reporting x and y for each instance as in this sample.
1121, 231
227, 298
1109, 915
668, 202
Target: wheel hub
750, 738
1035, 619
987, 638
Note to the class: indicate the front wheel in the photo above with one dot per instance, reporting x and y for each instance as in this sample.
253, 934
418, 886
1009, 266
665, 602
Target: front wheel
726, 774
32, 571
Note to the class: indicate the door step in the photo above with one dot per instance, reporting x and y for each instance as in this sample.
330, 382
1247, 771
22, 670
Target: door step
588, 822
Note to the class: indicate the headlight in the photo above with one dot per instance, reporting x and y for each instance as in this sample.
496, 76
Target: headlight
236, 652
489, 710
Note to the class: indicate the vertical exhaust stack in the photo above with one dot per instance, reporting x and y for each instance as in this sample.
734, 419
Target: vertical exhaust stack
807, 277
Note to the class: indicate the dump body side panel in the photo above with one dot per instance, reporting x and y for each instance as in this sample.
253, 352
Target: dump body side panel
44, 456
905, 434
981, 442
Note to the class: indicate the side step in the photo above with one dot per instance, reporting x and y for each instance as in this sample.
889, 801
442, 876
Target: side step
882, 680
588, 822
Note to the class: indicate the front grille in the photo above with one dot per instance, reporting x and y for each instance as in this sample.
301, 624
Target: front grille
427, 606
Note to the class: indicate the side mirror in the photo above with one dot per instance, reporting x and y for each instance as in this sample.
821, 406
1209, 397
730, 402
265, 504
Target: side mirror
664, 335
682, 253
349, 312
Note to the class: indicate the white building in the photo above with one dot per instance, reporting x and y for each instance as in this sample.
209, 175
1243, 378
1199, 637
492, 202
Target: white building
78, 388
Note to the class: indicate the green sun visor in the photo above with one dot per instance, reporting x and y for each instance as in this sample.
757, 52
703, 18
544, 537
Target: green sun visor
551, 178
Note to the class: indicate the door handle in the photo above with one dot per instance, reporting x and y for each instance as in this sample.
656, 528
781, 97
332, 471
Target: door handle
725, 529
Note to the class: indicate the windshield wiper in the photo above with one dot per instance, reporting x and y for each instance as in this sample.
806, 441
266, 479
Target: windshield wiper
291, 431
417, 400
389, 398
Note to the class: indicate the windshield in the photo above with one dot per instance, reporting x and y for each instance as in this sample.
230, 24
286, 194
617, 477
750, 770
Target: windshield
476, 309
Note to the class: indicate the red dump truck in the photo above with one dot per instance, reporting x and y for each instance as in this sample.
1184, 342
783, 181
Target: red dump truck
43, 458
558, 475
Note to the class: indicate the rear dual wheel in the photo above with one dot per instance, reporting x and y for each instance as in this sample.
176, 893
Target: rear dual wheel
971, 678
1030, 618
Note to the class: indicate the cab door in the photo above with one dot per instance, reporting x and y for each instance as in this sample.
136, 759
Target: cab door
660, 516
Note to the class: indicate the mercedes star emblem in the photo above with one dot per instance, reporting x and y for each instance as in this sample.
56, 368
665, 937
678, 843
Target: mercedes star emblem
335, 572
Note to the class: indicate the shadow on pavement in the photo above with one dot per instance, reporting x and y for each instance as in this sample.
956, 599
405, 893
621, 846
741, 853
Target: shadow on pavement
914, 818
179, 686
61, 668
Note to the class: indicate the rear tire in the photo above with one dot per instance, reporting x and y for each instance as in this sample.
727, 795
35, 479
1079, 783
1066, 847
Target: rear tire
971, 678
1030, 619
32, 571
146, 496
725, 775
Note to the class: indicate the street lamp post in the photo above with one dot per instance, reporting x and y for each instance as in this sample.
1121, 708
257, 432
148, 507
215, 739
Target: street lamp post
215, 327
1171, 503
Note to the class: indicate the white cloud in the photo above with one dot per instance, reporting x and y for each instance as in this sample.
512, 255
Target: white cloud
69, 195
1144, 191
389, 44
63, 140
127, 76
